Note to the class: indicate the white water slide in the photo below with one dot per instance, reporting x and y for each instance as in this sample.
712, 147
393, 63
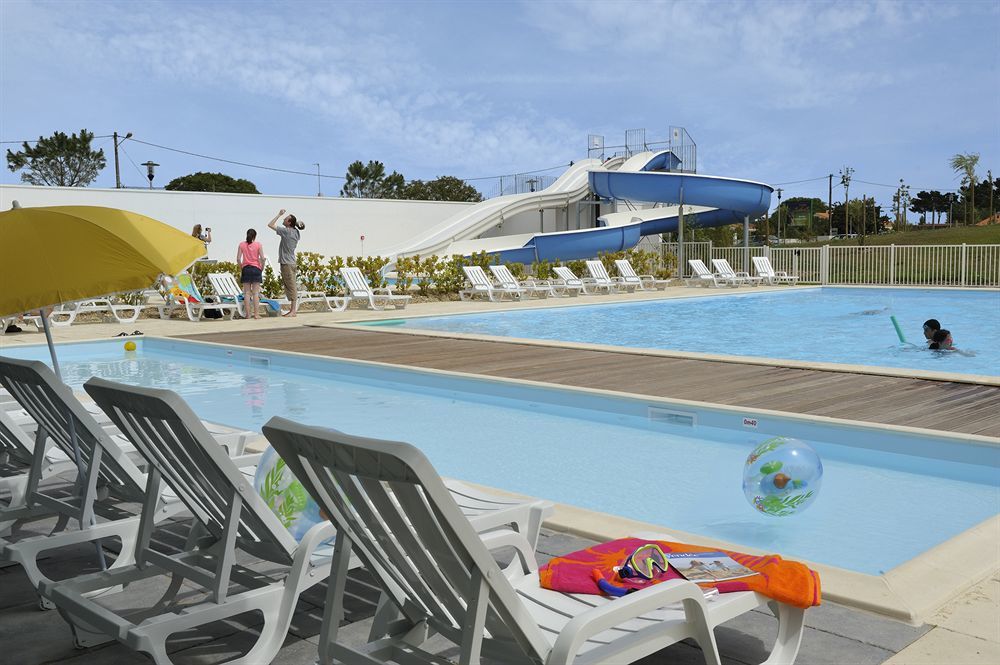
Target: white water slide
570, 187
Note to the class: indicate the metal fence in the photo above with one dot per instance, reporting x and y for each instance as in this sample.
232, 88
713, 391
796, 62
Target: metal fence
878, 265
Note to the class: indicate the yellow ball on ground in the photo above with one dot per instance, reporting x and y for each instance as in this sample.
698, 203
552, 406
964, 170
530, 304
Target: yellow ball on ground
130, 346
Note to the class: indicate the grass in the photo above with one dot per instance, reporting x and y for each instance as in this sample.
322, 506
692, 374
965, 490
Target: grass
971, 235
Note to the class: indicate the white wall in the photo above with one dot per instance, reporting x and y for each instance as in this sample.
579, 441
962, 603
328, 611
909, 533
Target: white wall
333, 225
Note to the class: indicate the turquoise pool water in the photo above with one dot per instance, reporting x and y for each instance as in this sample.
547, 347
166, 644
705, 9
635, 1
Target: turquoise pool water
829, 324
886, 496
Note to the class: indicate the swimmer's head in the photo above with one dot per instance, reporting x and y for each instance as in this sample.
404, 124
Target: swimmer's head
940, 336
931, 326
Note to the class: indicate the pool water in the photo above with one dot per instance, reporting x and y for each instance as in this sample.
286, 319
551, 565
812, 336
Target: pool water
829, 324
877, 507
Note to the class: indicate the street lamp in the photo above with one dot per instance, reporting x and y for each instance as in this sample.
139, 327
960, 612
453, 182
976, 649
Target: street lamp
319, 189
150, 171
779, 191
118, 177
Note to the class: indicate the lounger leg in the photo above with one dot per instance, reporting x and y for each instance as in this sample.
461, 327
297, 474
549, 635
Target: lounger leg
703, 633
791, 622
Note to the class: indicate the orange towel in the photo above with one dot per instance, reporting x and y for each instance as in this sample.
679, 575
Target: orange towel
789, 582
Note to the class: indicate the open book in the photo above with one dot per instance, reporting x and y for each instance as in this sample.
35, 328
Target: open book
707, 566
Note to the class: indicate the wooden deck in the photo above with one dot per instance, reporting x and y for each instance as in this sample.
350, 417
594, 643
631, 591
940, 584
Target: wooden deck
953, 407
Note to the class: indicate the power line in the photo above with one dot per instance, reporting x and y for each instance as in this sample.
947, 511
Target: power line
230, 161
882, 184
795, 182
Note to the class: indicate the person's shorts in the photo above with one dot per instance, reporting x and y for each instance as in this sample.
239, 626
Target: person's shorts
250, 275
289, 279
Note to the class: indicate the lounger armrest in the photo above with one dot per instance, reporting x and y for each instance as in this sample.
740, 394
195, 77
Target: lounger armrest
495, 540
608, 615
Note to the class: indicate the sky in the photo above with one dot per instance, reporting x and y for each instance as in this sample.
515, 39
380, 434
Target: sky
778, 92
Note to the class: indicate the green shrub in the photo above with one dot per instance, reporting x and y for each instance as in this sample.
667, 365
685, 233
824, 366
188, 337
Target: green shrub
518, 271
406, 270
313, 273
543, 269
578, 266
449, 277
371, 267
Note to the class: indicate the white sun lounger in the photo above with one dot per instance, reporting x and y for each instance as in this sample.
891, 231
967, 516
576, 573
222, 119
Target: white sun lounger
107, 482
230, 516
229, 290
358, 288
702, 275
599, 276
65, 314
764, 269
507, 280
438, 578
566, 283
570, 280
629, 276
723, 268
482, 286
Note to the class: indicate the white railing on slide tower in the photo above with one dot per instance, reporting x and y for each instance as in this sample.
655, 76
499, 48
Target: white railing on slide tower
876, 265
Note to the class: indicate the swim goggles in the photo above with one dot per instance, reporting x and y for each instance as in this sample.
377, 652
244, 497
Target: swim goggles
644, 562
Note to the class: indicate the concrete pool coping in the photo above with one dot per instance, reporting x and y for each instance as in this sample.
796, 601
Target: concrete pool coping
910, 592
369, 323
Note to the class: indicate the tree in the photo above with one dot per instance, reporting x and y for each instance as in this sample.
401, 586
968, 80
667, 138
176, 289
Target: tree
443, 188
211, 182
65, 161
369, 181
965, 164
933, 202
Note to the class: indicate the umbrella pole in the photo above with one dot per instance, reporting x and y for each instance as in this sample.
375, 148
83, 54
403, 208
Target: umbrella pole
72, 427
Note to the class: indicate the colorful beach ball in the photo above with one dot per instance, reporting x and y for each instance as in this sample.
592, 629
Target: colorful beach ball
285, 495
782, 476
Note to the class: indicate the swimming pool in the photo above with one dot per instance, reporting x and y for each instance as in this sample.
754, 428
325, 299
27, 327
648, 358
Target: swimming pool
677, 465
828, 324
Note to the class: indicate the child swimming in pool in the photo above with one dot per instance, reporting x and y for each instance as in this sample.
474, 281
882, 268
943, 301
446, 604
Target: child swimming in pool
941, 341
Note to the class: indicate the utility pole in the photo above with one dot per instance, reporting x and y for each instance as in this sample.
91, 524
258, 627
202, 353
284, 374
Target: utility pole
989, 176
319, 188
829, 204
118, 175
864, 209
845, 180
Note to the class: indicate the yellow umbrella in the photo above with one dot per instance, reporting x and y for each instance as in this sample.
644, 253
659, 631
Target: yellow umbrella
59, 254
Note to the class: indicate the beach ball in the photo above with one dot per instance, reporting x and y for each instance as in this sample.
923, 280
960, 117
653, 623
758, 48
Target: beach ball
782, 476
130, 346
285, 495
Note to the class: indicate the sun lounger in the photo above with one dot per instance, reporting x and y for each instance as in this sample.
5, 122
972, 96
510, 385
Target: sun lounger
566, 283
65, 315
482, 286
702, 275
764, 269
106, 485
568, 279
185, 294
723, 268
439, 579
629, 276
229, 290
358, 288
599, 276
230, 518
507, 280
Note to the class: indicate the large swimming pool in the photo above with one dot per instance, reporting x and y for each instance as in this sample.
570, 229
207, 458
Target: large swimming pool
829, 324
886, 497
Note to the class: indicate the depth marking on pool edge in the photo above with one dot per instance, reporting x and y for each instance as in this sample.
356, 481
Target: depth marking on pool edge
750, 422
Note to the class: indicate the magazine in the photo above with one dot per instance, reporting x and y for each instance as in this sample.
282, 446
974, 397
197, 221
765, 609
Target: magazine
707, 566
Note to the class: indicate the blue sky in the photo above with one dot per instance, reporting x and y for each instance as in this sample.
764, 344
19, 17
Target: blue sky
771, 91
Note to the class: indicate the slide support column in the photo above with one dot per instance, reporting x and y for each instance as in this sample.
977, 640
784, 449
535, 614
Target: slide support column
680, 235
746, 244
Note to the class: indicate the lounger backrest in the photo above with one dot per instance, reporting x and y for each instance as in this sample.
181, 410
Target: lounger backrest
52, 404
175, 442
357, 285
390, 504
224, 284
598, 271
722, 267
626, 270
566, 275
763, 266
505, 277
477, 277
14, 442
699, 268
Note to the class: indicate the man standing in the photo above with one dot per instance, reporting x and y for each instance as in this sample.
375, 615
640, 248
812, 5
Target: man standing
289, 233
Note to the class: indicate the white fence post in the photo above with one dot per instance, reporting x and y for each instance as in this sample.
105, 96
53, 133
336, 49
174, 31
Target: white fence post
892, 264
965, 254
824, 265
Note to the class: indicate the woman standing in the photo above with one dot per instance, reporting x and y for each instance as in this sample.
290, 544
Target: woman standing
204, 236
250, 259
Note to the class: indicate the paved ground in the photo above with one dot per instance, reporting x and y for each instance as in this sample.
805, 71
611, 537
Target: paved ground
29, 636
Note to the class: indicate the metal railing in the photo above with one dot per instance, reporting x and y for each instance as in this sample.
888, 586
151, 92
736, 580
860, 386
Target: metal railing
876, 265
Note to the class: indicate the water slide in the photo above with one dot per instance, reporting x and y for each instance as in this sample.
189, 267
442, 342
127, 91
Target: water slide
714, 200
